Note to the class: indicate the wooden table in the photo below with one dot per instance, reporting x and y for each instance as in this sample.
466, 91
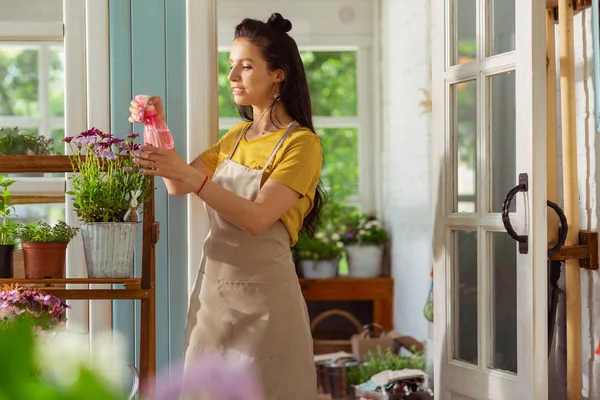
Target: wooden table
378, 290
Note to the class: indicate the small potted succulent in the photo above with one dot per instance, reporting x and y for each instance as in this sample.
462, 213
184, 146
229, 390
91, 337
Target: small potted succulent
364, 238
319, 257
7, 229
18, 142
45, 248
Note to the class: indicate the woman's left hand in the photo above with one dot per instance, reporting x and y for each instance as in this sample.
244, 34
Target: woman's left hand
162, 162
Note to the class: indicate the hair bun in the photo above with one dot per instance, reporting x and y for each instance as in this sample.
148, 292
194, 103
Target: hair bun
278, 23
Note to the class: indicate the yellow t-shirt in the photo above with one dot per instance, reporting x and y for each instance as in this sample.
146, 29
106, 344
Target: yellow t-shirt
297, 165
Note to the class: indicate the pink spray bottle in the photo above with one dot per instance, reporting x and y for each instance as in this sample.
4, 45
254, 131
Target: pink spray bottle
156, 131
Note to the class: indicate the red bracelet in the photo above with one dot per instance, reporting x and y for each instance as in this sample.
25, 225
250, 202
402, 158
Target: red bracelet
201, 187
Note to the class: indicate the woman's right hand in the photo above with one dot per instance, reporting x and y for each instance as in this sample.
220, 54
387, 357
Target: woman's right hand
136, 109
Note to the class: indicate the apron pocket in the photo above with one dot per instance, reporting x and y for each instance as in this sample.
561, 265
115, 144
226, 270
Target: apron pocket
256, 316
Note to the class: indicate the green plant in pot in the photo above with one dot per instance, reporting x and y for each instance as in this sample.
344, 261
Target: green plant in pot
7, 228
107, 192
319, 257
17, 142
364, 238
45, 248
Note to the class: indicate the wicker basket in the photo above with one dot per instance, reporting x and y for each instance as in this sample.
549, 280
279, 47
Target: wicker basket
324, 346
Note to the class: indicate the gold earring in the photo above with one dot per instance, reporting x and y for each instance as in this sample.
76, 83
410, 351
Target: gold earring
276, 95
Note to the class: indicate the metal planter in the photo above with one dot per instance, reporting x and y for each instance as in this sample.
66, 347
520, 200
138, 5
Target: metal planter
109, 248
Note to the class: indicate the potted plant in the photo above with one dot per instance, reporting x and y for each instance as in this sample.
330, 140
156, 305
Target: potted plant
7, 229
107, 192
45, 248
359, 377
16, 142
319, 257
43, 311
364, 238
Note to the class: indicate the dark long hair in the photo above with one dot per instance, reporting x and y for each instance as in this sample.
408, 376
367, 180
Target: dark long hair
280, 51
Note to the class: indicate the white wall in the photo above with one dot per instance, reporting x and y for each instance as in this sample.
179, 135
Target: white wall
588, 149
405, 33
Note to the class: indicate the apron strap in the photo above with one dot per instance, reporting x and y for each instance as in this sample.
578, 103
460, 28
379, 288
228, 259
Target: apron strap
290, 128
238, 141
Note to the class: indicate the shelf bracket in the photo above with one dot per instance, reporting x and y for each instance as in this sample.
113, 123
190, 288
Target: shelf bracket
586, 251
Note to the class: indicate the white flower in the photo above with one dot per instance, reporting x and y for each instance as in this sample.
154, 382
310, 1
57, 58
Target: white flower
335, 236
62, 354
340, 244
362, 232
320, 235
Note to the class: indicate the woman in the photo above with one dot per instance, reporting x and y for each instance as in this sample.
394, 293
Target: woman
260, 187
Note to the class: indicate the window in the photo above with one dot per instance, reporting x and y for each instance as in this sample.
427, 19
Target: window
32, 89
333, 84
32, 99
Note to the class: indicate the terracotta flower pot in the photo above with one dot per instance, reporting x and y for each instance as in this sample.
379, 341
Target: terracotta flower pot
44, 260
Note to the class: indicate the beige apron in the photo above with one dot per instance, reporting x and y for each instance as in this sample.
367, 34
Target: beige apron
246, 302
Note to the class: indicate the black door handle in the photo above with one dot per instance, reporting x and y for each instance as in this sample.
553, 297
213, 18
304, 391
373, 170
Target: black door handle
523, 186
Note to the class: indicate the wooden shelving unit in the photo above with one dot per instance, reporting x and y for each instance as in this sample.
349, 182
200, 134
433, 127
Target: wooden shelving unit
380, 291
142, 288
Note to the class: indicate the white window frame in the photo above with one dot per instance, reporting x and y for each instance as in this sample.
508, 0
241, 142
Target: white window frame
87, 24
42, 41
366, 199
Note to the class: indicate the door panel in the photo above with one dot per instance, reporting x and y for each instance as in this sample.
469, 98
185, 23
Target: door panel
489, 127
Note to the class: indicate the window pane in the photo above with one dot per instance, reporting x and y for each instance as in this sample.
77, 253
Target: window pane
504, 302
502, 31
340, 161
18, 80
56, 84
463, 33
331, 79
31, 213
57, 145
226, 103
464, 137
502, 135
465, 296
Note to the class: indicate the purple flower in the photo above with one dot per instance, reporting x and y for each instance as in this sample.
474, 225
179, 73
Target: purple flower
209, 374
127, 169
67, 139
133, 135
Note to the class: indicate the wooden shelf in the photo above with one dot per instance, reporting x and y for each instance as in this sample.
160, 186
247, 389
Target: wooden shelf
58, 287
128, 282
135, 288
378, 290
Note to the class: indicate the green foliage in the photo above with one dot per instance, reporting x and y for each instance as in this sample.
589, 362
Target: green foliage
331, 79
327, 244
364, 229
23, 377
7, 211
381, 362
19, 79
44, 233
107, 177
15, 142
